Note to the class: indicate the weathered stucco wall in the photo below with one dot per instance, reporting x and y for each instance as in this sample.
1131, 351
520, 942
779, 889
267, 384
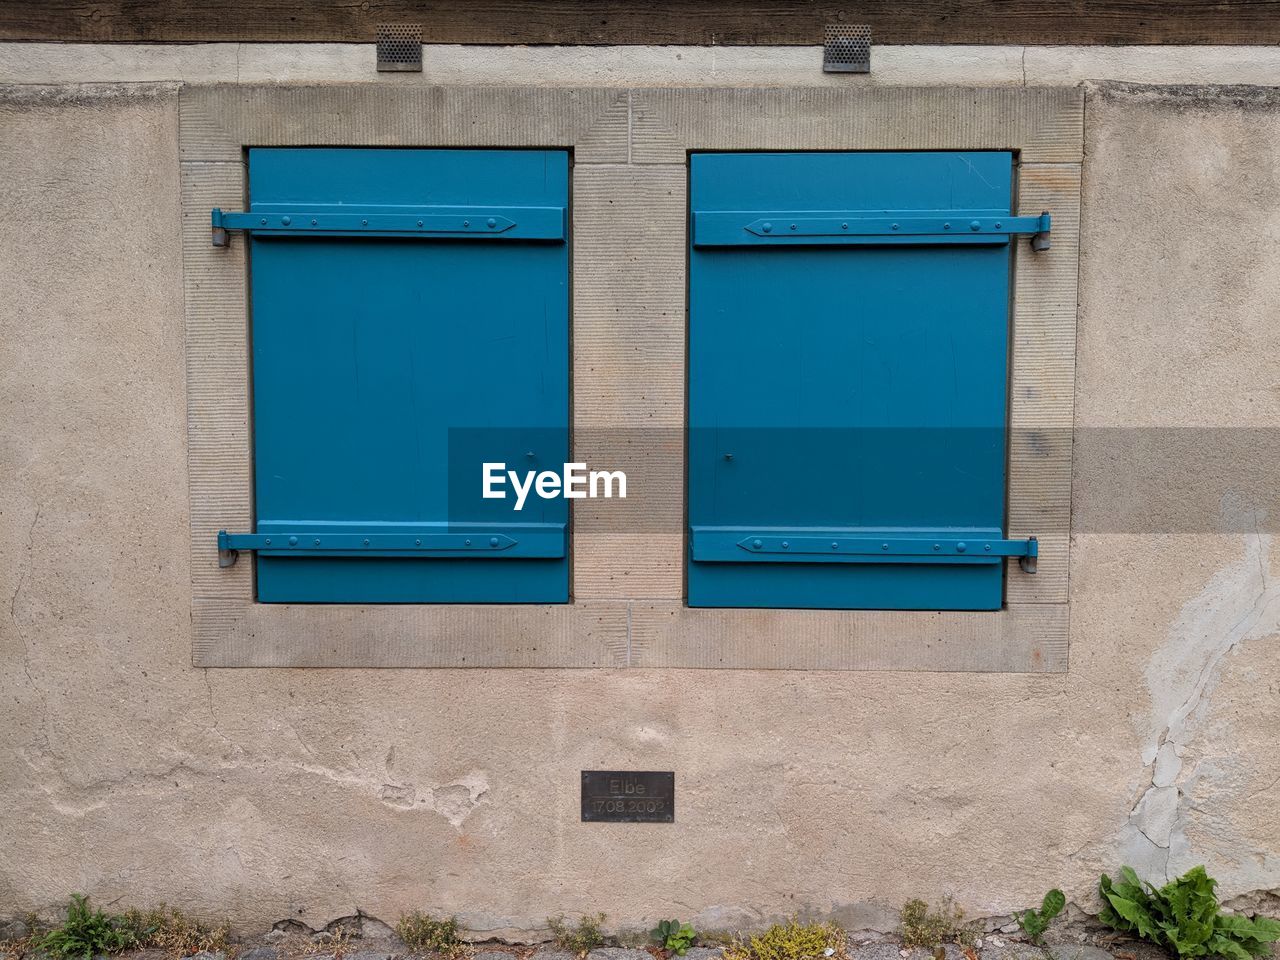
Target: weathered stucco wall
638, 65
268, 794
1177, 330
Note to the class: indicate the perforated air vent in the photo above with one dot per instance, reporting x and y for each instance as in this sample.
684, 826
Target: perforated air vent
400, 46
847, 48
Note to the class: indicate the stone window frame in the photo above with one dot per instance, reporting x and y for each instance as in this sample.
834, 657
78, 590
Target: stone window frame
630, 193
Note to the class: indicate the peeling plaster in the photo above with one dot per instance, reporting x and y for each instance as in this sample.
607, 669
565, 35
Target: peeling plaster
455, 801
1239, 603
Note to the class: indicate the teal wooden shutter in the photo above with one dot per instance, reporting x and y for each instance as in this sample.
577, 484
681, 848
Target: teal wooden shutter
409, 321
848, 379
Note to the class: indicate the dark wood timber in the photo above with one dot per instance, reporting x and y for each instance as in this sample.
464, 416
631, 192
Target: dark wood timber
649, 21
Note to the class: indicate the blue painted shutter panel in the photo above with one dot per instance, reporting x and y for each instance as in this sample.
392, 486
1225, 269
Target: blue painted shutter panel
847, 393
387, 368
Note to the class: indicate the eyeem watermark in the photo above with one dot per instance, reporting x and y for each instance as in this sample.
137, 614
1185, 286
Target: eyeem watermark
575, 483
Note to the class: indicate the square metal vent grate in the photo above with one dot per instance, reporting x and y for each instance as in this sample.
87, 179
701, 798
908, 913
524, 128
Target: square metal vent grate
846, 48
400, 46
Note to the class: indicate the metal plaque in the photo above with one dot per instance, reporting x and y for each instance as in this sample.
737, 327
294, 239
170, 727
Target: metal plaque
628, 796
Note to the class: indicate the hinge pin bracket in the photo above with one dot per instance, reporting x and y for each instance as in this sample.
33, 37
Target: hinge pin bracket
1028, 562
220, 236
227, 557
1040, 239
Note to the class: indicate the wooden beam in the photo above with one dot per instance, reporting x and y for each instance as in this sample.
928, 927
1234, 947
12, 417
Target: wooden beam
648, 21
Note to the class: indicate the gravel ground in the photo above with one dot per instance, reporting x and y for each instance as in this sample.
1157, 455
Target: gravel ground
991, 947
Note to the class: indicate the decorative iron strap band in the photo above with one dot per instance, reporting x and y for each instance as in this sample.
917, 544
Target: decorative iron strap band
750, 228
739, 544
508, 223
530, 541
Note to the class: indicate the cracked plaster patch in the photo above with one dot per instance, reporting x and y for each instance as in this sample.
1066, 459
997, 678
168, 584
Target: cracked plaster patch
1239, 603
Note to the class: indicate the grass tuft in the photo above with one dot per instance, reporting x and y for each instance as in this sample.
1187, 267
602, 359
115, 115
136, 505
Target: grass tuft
791, 941
581, 938
169, 929
922, 927
85, 933
424, 933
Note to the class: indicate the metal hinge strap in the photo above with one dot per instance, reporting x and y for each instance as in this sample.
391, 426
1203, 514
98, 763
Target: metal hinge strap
748, 228
510, 223
737, 544
533, 540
